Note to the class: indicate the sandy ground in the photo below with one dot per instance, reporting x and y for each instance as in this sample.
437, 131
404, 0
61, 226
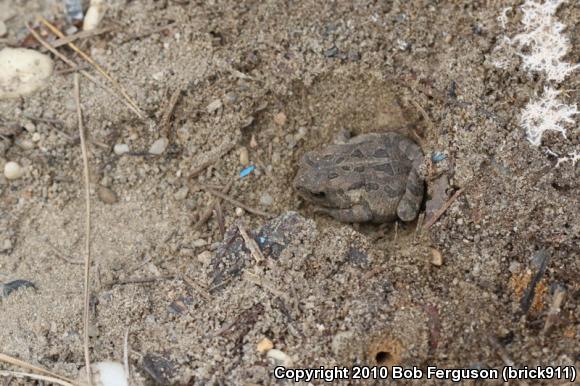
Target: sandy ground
279, 78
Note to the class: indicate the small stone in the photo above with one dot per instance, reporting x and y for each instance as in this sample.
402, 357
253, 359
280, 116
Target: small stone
354, 56
514, 267
121, 148
106, 195
253, 142
23, 72
280, 119
204, 257
239, 212
6, 245
3, 29
199, 243
181, 194
214, 106
244, 156
331, 52
12, 170
266, 199
264, 345
36, 137
30, 127
159, 146
279, 358
436, 257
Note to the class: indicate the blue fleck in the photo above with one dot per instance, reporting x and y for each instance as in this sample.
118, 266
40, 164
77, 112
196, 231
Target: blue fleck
247, 171
262, 240
438, 157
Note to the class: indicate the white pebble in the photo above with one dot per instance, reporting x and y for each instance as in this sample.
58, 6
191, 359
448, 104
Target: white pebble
23, 71
214, 106
266, 199
199, 243
121, 148
36, 137
12, 170
244, 156
159, 146
3, 29
181, 194
94, 15
239, 212
204, 258
279, 358
108, 374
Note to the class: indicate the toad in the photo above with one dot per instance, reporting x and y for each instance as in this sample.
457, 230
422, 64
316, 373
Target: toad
370, 178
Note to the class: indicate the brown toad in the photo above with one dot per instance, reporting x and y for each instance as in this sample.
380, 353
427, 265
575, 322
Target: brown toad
372, 177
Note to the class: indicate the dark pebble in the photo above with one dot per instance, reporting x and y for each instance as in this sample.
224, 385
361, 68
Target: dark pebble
12, 286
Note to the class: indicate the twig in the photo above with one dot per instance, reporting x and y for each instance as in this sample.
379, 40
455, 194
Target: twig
72, 64
139, 280
18, 374
104, 73
165, 123
87, 228
28, 366
202, 291
442, 210
126, 357
81, 35
147, 33
233, 201
254, 279
208, 212
251, 244
207, 159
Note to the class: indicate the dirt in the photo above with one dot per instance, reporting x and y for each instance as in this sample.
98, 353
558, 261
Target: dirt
289, 77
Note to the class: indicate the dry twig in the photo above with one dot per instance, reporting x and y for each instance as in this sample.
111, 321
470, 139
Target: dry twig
233, 201
442, 210
251, 244
73, 65
25, 365
104, 73
81, 35
18, 374
208, 212
87, 227
165, 123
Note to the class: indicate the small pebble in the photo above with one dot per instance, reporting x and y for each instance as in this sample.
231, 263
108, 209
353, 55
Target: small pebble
264, 345
331, 52
106, 195
204, 257
199, 243
239, 212
121, 148
14, 285
36, 137
3, 29
280, 119
159, 146
214, 106
244, 156
12, 170
23, 71
436, 257
181, 194
106, 374
253, 142
279, 358
266, 199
